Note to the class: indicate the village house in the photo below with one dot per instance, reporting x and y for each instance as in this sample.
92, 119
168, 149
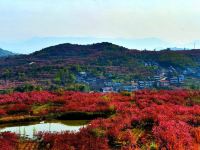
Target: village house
163, 83
174, 80
107, 89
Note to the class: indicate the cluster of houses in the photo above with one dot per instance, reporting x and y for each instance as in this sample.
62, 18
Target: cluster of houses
158, 82
106, 85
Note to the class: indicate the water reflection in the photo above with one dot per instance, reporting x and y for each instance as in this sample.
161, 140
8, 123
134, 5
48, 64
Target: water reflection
31, 129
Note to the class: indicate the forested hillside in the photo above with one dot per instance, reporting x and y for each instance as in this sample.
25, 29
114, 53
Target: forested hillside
99, 60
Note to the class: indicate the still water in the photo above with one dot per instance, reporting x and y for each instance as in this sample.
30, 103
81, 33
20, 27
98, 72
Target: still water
28, 130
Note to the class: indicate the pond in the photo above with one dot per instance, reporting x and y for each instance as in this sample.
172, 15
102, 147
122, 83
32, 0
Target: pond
29, 129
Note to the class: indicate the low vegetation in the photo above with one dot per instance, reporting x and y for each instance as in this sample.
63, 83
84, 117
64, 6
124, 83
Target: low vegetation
140, 120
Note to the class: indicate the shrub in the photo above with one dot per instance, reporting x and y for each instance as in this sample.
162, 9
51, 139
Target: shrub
18, 108
2, 112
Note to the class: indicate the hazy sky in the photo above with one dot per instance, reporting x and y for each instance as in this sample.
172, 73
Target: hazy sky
171, 20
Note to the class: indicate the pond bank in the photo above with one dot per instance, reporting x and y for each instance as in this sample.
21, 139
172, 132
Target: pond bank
53, 116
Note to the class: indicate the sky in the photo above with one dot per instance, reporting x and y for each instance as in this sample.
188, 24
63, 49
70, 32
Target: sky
175, 21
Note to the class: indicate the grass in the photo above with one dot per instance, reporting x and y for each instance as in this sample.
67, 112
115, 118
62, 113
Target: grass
38, 108
137, 133
153, 146
18, 118
196, 100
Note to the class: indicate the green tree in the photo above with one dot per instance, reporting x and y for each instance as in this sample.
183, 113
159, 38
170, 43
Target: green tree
6, 74
21, 76
25, 88
64, 76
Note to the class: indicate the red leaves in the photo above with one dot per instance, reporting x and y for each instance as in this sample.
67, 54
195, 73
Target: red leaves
170, 118
8, 141
196, 134
173, 135
27, 98
82, 140
18, 108
2, 112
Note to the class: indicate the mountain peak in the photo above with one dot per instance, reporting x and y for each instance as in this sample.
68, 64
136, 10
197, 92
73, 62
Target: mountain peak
68, 49
4, 53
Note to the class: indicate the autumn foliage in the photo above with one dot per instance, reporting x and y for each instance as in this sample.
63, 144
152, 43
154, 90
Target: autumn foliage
143, 119
8, 141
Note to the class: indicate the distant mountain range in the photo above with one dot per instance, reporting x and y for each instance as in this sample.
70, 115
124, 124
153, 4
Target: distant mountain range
37, 43
4, 53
